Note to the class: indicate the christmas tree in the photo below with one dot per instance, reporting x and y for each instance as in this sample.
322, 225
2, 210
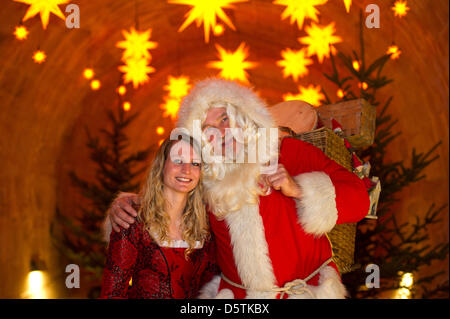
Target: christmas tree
80, 239
396, 249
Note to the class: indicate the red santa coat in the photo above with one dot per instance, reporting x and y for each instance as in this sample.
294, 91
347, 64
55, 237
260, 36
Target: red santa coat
283, 239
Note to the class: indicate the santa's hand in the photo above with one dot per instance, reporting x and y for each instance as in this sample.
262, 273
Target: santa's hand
281, 180
122, 212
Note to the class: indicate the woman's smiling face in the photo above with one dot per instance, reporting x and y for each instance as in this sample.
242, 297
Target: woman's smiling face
182, 168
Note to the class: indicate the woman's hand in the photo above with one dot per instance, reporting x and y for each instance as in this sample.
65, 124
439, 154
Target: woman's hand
281, 180
121, 212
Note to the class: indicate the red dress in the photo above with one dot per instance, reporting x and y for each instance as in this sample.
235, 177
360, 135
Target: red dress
156, 272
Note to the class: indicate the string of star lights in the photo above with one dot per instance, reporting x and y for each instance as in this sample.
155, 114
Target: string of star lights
232, 65
206, 12
177, 88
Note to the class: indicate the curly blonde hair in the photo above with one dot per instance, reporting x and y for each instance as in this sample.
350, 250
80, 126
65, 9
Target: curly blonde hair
152, 214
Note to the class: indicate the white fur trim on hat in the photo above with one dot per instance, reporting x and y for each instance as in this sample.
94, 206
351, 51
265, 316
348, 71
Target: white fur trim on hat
316, 210
195, 105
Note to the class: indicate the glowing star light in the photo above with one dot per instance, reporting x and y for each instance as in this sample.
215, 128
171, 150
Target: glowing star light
88, 73
400, 8
299, 10
136, 71
312, 94
170, 107
206, 12
348, 4
177, 87
233, 64
394, 51
44, 8
21, 33
136, 44
294, 63
39, 56
319, 40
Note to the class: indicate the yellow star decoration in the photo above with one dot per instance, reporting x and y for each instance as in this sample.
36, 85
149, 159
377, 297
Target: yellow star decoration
136, 44
312, 94
170, 107
400, 8
21, 33
206, 12
233, 64
299, 10
294, 63
394, 51
44, 8
348, 4
319, 40
136, 71
177, 88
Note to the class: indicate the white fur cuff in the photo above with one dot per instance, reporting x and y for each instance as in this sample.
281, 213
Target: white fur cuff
210, 289
316, 210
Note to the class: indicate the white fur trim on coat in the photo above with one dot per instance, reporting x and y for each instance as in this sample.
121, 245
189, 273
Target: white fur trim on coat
316, 210
251, 252
210, 289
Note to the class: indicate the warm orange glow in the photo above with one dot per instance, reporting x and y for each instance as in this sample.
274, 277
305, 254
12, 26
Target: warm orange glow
300, 10
218, 30
355, 65
136, 44
95, 85
363, 85
160, 142
170, 107
394, 51
160, 130
135, 71
21, 33
340, 93
177, 87
121, 90
206, 12
232, 64
348, 4
44, 8
126, 106
400, 8
39, 56
294, 63
88, 73
312, 94
319, 40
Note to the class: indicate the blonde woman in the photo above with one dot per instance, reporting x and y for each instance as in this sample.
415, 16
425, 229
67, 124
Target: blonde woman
167, 252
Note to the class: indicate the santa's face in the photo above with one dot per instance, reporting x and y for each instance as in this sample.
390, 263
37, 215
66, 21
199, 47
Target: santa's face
215, 127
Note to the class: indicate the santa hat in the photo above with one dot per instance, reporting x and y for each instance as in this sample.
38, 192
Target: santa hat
209, 91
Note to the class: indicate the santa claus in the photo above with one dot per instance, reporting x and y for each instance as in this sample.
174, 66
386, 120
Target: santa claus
270, 227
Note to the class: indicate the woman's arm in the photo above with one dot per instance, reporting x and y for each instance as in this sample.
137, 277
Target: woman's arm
120, 262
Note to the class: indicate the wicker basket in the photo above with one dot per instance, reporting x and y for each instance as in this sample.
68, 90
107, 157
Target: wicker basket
357, 118
342, 236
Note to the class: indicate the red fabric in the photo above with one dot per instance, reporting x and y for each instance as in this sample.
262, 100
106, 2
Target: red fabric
156, 272
294, 253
